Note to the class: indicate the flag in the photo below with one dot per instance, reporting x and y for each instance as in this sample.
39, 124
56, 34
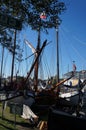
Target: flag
43, 15
74, 67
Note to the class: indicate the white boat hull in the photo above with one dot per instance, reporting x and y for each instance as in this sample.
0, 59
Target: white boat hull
73, 97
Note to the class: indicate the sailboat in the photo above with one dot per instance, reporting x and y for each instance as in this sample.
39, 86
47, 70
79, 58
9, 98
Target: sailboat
42, 96
73, 93
46, 98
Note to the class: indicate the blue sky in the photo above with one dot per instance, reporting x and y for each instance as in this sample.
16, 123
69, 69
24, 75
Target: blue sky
72, 43
73, 35
72, 39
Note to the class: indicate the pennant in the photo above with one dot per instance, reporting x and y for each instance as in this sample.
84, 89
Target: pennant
43, 15
74, 67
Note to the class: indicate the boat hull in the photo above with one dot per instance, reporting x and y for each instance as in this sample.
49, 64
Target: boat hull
72, 97
58, 120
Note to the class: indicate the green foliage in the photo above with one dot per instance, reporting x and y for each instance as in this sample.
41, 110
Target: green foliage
7, 41
29, 11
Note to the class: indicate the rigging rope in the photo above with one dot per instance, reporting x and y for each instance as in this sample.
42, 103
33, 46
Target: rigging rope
70, 40
47, 68
5, 62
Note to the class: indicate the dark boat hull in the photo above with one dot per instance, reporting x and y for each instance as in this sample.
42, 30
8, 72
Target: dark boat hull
60, 120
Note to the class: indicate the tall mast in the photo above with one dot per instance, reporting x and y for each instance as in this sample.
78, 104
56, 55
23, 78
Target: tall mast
1, 65
37, 63
42, 16
13, 56
32, 67
57, 49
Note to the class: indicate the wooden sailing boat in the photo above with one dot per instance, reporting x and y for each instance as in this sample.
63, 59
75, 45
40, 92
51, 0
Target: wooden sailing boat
45, 98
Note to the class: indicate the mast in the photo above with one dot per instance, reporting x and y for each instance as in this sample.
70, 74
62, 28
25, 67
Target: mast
34, 63
57, 55
13, 56
1, 65
37, 63
57, 49
42, 16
